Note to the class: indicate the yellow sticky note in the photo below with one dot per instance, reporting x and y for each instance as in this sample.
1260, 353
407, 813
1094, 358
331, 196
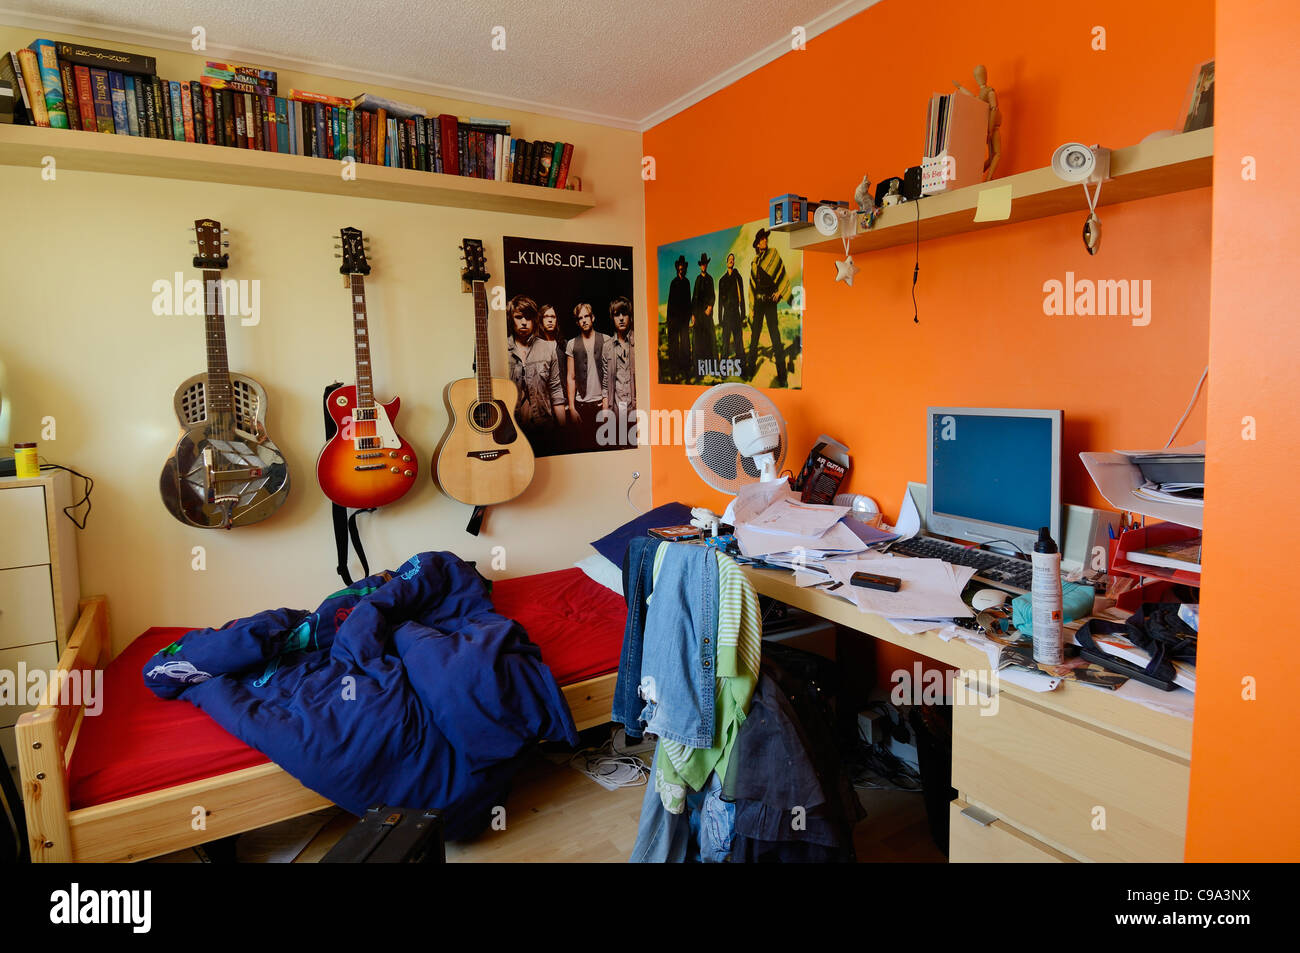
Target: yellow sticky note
994, 205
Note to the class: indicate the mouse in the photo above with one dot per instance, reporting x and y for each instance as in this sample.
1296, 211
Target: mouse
987, 599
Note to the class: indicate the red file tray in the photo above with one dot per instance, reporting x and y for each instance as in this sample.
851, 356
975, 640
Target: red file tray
1160, 578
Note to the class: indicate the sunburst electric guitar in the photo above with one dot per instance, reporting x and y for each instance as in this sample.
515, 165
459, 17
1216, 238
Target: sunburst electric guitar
483, 458
225, 471
366, 463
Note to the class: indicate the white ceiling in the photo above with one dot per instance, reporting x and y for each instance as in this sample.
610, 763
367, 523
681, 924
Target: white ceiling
628, 63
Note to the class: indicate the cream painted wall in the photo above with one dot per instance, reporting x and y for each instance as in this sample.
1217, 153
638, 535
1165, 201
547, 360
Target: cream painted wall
78, 259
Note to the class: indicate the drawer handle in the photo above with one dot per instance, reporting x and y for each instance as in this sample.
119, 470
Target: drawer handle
979, 815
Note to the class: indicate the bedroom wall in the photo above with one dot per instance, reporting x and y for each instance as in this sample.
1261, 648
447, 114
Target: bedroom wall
1244, 775
80, 255
810, 124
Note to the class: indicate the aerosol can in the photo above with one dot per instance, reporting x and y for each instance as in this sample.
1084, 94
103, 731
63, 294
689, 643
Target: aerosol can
1049, 642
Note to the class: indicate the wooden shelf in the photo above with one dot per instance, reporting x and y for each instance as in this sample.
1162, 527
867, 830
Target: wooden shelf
1173, 164
162, 158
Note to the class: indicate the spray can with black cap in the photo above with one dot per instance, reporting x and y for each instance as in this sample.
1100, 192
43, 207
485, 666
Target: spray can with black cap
1049, 643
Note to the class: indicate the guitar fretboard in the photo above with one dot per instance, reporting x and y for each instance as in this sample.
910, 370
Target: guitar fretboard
361, 332
482, 357
218, 398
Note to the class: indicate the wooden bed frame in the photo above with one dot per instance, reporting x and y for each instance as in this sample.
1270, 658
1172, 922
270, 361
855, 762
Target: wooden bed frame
146, 825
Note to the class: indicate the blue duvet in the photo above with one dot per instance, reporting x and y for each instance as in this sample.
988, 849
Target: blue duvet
405, 689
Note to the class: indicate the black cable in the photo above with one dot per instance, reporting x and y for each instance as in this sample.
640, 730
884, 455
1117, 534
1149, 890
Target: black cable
916, 268
984, 545
90, 485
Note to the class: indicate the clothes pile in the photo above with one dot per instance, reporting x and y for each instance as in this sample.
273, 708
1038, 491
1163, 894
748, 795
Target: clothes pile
745, 768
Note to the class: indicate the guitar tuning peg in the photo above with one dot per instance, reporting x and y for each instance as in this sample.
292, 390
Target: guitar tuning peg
338, 256
193, 242
225, 244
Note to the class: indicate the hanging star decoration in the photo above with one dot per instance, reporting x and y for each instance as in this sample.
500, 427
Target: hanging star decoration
845, 270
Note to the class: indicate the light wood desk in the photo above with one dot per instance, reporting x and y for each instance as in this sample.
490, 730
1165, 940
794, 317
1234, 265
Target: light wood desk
1076, 774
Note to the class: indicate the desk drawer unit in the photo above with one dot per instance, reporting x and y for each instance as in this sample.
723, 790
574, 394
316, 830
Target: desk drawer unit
1089, 792
975, 836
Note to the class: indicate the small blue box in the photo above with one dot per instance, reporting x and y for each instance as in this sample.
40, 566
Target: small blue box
783, 211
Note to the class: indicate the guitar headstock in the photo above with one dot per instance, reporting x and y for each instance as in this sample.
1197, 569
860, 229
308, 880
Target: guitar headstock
209, 236
354, 247
475, 269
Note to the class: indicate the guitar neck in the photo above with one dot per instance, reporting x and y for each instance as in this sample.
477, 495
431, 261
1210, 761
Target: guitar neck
361, 344
218, 398
482, 356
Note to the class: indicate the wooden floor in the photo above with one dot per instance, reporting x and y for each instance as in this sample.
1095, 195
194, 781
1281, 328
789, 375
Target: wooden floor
556, 815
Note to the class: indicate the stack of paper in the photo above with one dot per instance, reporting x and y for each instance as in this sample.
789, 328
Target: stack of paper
930, 589
799, 535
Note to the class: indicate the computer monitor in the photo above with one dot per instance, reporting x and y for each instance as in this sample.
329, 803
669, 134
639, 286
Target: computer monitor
994, 475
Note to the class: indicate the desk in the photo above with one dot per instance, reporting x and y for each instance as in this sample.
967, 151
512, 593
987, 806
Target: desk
1076, 774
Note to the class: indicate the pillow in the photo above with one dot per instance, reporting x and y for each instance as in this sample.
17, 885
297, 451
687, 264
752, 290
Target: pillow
601, 570
614, 546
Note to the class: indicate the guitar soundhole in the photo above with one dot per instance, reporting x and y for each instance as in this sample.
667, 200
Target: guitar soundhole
485, 416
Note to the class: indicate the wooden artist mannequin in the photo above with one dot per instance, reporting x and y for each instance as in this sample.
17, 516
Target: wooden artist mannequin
988, 94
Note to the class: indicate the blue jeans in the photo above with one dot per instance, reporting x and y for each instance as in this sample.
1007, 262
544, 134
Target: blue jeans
638, 581
703, 832
679, 649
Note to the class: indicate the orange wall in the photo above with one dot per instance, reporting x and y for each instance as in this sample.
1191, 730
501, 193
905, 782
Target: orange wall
815, 121
1244, 764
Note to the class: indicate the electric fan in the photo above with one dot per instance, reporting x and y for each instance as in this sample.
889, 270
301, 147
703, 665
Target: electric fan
728, 452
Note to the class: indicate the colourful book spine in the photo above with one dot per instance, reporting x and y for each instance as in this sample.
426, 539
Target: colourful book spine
282, 137
35, 90
69, 82
322, 141
259, 124
132, 115
268, 122
117, 89
178, 112
450, 155
211, 122
557, 156
200, 117
381, 137
51, 83
187, 112
141, 107
11, 72
353, 141
161, 108
241, 122
564, 166
85, 98
103, 100
435, 139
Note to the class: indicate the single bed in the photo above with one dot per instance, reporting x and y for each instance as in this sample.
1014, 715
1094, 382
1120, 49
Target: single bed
148, 776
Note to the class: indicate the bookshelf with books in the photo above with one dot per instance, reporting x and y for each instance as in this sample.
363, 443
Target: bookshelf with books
130, 121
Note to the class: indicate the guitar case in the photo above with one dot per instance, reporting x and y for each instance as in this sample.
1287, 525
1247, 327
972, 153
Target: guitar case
345, 526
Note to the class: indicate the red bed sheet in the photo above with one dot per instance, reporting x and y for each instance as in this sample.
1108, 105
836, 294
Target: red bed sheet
141, 743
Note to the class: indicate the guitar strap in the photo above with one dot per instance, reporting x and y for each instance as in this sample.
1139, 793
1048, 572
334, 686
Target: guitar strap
345, 526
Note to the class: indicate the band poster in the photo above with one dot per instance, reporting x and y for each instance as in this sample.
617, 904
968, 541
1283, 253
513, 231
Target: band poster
570, 332
730, 309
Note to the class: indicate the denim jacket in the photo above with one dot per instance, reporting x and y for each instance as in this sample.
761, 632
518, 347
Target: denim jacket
666, 678
537, 378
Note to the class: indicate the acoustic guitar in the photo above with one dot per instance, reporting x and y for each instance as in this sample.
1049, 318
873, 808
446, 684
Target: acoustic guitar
225, 471
483, 458
367, 463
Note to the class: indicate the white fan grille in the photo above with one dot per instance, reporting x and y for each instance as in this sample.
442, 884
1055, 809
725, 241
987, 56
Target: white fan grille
709, 446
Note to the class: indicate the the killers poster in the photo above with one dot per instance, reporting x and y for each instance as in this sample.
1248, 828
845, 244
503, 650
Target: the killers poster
731, 309
570, 331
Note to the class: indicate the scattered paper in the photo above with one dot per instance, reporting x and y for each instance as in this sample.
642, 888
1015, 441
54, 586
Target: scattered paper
754, 498
793, 518
909, 517
994, 205
930, 589
1118, 478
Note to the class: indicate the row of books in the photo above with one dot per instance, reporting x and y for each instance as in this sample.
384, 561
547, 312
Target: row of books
67, 86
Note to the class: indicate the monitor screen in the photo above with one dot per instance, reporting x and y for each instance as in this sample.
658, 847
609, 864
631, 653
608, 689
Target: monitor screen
994, 473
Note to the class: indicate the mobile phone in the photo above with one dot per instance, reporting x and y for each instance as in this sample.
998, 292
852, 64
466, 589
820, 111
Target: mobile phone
869, 580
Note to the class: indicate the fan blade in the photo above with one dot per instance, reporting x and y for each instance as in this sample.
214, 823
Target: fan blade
717, 452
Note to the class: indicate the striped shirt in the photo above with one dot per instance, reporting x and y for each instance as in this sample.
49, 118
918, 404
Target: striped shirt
767, 275
739, 649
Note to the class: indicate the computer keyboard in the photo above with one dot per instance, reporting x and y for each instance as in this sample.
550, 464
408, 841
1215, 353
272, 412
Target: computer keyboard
1005, 572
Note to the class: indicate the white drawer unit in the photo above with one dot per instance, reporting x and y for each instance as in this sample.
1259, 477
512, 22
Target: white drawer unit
39, 588
36, 533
